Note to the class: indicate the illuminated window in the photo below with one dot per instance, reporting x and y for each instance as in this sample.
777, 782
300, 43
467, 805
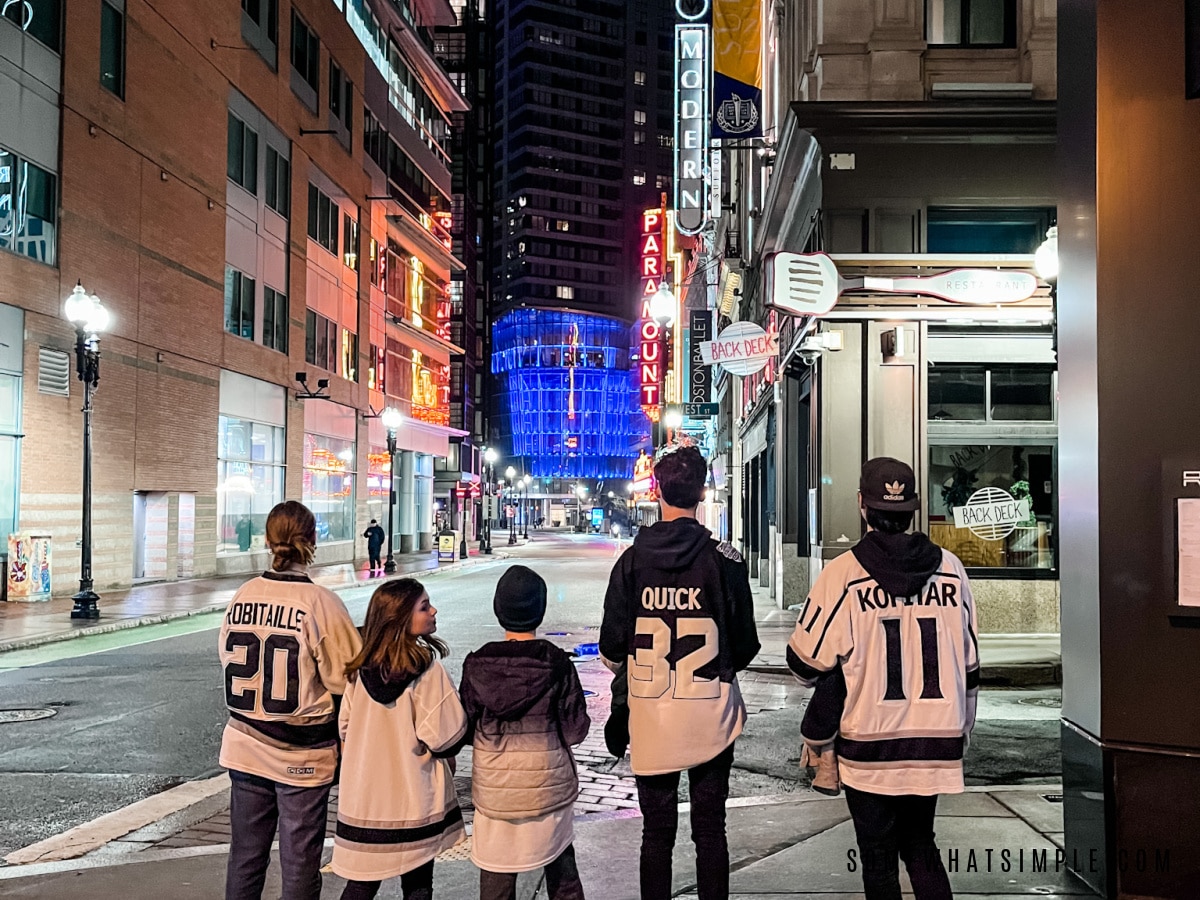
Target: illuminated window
564, 292
639, 177
639, 137
639, 77
562, 225
349, 241
250, 468
349, 367
329, 466
639, 117
971, 23
28, 208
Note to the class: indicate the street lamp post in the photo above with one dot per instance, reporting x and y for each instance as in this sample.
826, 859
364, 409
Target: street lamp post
511, 474
489, 491
391, 419
89, 317
662, 309
525, 485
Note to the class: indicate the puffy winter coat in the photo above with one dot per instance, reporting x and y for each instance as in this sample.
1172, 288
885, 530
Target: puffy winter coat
525, 709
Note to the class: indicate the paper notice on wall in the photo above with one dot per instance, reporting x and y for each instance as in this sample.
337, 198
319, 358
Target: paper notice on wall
1188, 540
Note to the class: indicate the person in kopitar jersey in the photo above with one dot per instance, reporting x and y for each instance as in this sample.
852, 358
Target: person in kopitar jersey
679, 615
888, 636
284, 646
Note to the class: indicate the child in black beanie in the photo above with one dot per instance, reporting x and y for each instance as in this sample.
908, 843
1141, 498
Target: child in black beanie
525, 710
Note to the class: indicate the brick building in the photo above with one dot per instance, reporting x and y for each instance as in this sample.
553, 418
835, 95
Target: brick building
253, 191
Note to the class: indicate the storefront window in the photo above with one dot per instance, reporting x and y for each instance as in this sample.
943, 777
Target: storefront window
963, 475
329, 485
957, 393
965, 393
250, 467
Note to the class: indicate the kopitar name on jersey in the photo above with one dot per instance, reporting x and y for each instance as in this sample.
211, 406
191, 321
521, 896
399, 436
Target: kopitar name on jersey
872, 596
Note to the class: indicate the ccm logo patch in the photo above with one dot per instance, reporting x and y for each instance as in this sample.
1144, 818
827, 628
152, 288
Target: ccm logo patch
301, 770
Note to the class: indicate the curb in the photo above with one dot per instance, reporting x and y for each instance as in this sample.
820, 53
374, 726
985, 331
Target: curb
163, 618
1014, 675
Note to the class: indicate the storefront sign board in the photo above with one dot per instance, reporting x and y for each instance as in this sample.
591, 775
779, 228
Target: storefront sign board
741, 349
992, 514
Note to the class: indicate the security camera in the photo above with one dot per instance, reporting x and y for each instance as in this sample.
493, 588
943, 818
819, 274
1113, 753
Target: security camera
322, 383
302, 377
810, 350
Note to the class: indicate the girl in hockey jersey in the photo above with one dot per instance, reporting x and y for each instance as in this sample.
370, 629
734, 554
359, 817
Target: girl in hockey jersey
401, 721
284, 646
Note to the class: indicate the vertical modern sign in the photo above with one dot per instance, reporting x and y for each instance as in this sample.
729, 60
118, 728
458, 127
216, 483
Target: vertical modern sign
693, 75
699, 385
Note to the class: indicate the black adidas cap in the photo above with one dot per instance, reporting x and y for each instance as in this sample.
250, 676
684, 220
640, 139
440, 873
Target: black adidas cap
887, 483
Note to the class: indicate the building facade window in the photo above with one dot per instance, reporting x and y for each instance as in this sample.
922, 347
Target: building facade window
41, 19
341, 95
242, 155
971, 23
306, 52
349, 367
639, 176
275, 320
10, 445
28, 209
239, 303
322, 219
639, 117
992, 428
639, 77
329, 485
250, 469
260, 27
112, 46
279, 182
320, 341
986, 229
349, 241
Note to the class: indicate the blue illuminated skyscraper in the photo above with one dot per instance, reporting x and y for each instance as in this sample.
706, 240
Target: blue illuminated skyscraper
564, 394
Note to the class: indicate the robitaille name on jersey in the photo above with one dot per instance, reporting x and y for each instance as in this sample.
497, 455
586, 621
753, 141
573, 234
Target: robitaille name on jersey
671, 598
938, 593
271, 615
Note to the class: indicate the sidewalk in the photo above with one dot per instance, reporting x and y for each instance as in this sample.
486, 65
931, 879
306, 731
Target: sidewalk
799, 846
25, 625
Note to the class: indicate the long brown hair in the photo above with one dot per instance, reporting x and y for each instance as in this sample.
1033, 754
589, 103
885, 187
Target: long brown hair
387, 644
291, 535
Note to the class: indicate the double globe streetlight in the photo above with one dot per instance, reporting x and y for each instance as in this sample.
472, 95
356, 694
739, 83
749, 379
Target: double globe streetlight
490, 456
391, 419
90, 318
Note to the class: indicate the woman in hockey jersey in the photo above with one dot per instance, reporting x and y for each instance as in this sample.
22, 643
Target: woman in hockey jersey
401, 721
284, 646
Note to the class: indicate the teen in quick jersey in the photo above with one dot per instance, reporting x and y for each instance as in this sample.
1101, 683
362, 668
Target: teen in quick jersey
284, 646
680, 616
888, 636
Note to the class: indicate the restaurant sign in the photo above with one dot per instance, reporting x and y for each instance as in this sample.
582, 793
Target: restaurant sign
741, 349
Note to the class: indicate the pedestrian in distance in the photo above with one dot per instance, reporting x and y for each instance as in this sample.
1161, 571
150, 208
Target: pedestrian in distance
284, 645
401, 723
375, 536
888, 637
526, 710
679, 613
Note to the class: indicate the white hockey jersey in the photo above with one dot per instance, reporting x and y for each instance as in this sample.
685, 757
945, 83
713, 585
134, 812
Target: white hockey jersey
911, 666
284, 645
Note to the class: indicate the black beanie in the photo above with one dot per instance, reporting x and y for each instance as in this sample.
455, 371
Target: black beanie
520, 602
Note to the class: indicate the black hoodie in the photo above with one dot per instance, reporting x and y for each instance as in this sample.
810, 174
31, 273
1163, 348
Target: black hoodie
679, 611
525, 710
901, 564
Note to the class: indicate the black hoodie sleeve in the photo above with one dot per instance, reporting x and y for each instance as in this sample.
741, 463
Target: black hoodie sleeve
572, 705
615, 627
470, 703
743, 632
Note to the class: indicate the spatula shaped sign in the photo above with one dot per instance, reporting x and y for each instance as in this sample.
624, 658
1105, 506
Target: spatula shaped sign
809, 284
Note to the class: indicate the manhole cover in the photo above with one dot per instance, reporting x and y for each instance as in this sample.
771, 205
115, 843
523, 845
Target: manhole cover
25, 715
1044, 702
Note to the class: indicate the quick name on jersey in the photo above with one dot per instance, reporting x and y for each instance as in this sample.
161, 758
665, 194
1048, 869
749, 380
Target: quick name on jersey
942, 593
671, 598
273, 615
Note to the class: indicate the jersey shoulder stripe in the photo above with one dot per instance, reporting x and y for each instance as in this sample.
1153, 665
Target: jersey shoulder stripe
729, 551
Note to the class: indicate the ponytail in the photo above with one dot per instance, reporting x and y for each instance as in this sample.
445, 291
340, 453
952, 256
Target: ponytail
291, 535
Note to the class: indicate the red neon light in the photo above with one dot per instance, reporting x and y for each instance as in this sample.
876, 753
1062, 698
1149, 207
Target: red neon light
652, 273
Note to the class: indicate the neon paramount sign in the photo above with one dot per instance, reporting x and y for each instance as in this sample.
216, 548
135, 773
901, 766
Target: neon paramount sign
650, 276
692, 76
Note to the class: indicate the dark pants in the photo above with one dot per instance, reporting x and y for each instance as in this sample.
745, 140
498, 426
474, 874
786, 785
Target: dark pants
562, 881
891, 827
375, 555
416, 885
708, 784
823, 717
256, 807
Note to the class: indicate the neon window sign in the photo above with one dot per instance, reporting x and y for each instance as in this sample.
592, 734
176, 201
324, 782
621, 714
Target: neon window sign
692, 82
650, 277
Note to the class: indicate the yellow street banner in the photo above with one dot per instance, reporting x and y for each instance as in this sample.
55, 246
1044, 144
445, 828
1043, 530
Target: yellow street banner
737, 69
